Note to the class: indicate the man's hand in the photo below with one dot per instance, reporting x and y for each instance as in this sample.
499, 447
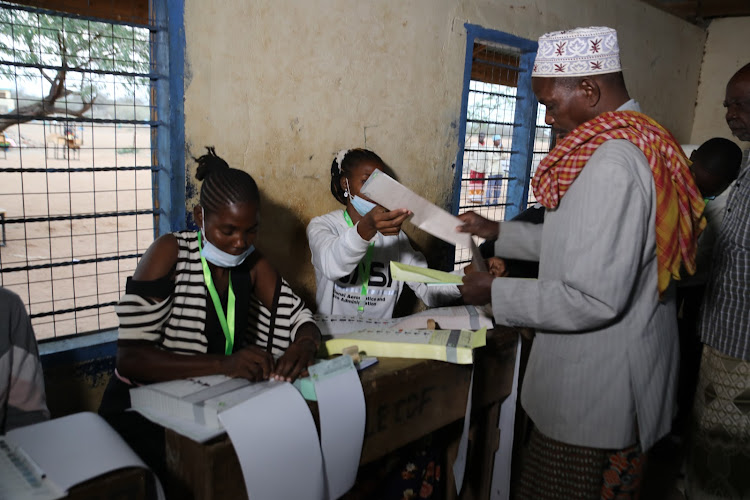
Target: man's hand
479, 226
380, 220
477, 288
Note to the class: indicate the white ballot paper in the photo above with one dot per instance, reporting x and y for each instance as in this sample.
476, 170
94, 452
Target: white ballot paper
277, 444
73, 449
464, 317
504, 454
341, 407
459, 466
388, 192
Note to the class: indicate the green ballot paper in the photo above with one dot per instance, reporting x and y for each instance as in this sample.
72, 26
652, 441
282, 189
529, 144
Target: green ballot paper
405, 272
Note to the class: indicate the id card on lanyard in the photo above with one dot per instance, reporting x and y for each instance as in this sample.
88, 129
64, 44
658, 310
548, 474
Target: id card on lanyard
364, 269
226, 321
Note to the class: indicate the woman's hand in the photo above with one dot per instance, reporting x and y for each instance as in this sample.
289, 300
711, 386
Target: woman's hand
380, 220
251, 363
298, 356
479, 226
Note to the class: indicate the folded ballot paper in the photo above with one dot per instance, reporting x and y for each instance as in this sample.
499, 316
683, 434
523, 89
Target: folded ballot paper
428, 217
453, 346
388, 192
405, 272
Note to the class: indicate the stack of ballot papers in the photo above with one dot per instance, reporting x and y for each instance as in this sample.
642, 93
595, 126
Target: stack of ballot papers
192, 406
465, 317
454, 346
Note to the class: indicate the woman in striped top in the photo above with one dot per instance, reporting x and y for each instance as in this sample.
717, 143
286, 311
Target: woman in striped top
193, 290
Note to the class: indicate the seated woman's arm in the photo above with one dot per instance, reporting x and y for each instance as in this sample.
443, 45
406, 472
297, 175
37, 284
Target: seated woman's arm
305, 333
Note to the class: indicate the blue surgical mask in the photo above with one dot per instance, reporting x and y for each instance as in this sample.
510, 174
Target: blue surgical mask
219, 257
361, 205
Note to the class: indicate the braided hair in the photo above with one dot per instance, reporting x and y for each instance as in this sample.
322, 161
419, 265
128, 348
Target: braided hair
223, 185
350, 160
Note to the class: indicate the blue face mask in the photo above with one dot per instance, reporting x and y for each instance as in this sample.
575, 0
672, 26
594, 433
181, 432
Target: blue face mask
361, 205
219, 257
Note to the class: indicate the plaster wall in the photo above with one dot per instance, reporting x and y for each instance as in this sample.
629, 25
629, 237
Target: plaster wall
279, 86
726, 52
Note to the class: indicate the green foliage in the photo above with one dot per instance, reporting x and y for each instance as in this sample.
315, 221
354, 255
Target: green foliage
66, 44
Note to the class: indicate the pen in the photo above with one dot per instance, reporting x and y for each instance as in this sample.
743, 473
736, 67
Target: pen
31, 463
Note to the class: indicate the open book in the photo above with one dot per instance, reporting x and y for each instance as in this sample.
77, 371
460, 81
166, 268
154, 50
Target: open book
43, 461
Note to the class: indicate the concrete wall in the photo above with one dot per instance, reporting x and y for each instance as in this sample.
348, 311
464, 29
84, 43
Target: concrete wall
726, 52
278, 86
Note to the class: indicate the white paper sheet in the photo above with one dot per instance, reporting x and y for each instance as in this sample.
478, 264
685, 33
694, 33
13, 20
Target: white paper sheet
277, 444
76, 448
388, 192
341, 407
448, 318
504, 454
459, 466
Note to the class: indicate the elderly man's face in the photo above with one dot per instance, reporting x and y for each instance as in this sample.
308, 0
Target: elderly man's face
566, 104
737, 103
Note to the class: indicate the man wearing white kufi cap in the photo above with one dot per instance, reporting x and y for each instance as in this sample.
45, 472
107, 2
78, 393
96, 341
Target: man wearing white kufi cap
623, 214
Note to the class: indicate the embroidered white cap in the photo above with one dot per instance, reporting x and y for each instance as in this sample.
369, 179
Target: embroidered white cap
577, 52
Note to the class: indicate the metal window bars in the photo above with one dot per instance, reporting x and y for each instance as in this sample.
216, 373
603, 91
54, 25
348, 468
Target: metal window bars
77, 180
496, 87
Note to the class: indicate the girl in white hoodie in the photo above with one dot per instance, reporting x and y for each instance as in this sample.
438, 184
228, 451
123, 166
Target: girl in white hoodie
352, 248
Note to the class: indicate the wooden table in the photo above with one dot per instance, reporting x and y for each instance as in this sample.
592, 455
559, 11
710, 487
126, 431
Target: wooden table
132, 483
406, 399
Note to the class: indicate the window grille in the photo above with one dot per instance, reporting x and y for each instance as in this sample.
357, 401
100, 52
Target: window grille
79, 173
503, 133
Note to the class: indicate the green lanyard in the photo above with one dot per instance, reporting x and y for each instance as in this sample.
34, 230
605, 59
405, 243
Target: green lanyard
227, 322
364, 268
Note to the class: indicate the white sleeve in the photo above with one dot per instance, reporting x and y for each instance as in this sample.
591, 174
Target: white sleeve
519, 240
335, 255
432, 296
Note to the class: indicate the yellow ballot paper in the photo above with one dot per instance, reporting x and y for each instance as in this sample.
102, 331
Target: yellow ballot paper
405, 272
453, 346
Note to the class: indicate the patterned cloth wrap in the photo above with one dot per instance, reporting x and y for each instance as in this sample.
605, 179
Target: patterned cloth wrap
680, 205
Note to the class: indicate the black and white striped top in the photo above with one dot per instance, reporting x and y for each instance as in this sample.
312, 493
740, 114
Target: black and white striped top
178, 322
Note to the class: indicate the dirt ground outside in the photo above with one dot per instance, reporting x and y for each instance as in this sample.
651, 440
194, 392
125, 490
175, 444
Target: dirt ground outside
25, 195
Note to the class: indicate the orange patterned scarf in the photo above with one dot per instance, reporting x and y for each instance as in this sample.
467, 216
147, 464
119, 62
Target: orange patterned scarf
679, 203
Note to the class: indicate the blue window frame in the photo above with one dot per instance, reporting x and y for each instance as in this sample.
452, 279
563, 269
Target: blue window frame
502, 136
